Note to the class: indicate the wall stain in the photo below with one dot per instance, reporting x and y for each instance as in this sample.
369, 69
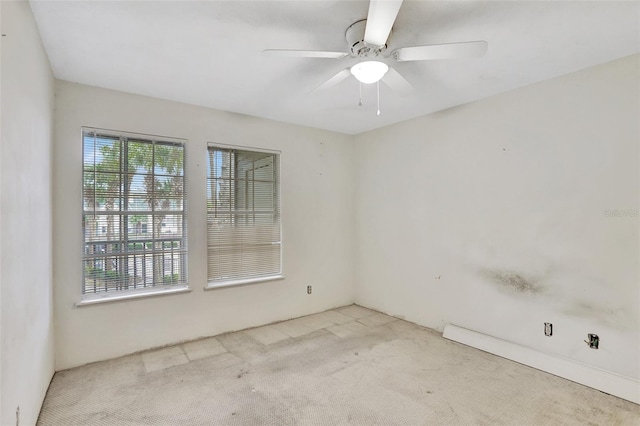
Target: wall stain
513, 281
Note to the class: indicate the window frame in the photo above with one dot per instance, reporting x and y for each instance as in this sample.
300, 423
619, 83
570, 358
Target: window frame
153, 288
210, 285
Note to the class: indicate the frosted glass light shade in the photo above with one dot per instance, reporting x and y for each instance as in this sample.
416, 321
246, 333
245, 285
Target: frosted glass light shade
368, 72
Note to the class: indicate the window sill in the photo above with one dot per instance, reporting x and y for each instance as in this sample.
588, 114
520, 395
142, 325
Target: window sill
121, 297
233, 283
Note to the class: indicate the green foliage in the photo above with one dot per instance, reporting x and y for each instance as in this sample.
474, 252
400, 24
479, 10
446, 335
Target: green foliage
92, 273
171, 279
138, 218
112, 275
100, 274
141, 246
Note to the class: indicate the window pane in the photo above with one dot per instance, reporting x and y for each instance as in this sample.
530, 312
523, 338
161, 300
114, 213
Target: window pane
99, 227
139, 188
140, 156
264, 196
167, 192
169, 159
107, 154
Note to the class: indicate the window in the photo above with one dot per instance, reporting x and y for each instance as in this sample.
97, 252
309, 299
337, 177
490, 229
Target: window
243, 216
134, 216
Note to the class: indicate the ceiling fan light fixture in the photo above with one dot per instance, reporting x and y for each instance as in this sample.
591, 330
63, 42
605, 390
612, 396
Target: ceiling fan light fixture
368, 72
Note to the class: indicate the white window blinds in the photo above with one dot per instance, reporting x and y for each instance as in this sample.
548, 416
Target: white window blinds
243, 215
134, 213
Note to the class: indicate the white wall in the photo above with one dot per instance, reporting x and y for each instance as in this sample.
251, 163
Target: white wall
494, 216
317, 220
25, 219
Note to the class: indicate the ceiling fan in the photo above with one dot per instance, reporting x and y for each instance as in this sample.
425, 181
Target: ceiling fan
367, 41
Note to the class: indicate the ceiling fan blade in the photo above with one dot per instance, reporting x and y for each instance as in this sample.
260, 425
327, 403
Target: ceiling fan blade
382, 15
341, 75
287, 53
397, 82
467, 49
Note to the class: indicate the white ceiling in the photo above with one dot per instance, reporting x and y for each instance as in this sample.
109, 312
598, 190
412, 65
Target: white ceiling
209, 53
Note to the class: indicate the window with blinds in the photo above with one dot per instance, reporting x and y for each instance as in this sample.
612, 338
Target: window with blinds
243, 216
134, 213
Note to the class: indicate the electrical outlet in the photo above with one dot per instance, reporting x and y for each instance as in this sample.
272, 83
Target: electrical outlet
593, 341
548, 329
309, 289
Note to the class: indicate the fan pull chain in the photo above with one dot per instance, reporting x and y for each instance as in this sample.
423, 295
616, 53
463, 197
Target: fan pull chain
378, 86
360, 101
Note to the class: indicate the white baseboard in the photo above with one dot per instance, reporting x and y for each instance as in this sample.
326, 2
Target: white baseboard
602, 380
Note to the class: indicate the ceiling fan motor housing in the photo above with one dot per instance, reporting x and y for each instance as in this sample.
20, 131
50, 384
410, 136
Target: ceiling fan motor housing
355, 41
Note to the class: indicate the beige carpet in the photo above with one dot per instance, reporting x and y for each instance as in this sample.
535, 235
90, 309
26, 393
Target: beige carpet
345, 366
